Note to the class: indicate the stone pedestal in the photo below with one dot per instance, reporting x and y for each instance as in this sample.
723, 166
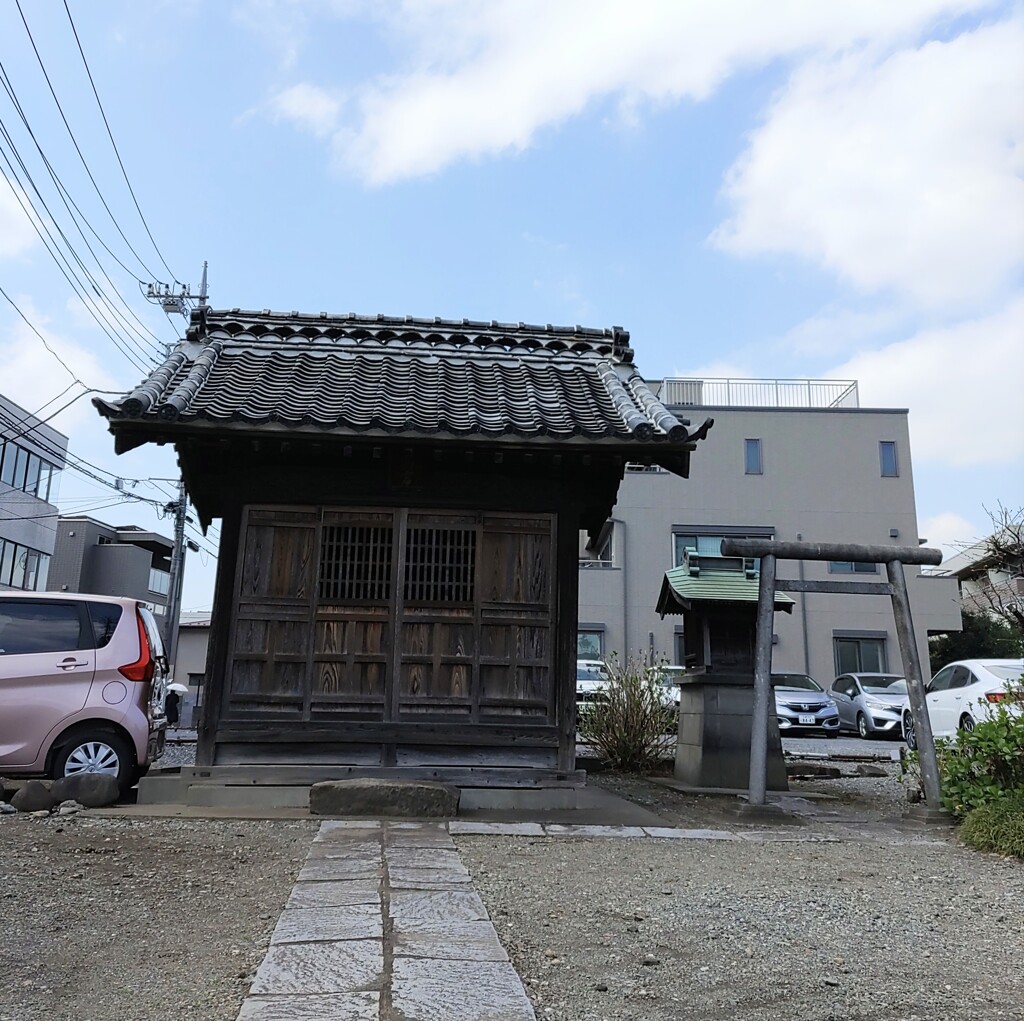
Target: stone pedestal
713, 749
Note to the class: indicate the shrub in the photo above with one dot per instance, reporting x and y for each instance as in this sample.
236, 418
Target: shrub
985, 765
997, 827
628, 726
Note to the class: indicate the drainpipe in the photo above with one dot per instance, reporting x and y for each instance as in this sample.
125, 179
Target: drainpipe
803, 614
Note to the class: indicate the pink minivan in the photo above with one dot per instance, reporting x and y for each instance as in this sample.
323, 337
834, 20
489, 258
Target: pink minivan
82, 685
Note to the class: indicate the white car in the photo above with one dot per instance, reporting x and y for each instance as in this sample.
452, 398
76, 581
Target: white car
591, 682
963, 694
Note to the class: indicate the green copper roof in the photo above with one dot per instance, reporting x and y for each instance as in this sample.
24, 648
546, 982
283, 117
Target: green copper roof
680, 589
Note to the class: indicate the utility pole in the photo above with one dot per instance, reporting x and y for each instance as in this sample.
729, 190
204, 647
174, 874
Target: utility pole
177, 507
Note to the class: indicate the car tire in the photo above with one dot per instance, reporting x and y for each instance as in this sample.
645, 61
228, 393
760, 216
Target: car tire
862, 728
97, 751
909, 735
967, 723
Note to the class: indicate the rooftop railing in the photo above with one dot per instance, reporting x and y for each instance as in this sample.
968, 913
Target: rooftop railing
761, 393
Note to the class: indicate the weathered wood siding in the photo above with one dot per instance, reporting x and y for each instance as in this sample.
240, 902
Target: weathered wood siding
370, 627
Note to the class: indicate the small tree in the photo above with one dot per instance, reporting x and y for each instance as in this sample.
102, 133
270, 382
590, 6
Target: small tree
627, 726
982, 636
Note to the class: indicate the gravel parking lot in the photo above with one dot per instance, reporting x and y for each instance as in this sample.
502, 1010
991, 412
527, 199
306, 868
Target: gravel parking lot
140, 919
653, 930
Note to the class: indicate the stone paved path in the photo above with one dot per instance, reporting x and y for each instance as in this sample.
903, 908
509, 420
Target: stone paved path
384, 924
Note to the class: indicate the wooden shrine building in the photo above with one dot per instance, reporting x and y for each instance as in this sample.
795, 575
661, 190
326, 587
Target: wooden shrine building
400, 505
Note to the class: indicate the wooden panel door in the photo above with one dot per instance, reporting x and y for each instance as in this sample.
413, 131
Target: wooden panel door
274, 599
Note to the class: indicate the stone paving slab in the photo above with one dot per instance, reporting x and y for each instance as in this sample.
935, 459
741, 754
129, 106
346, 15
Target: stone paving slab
436, 905
448, 939
428, 879
347, 848
340, 868
674, 833
347, 966
556, 830
458, 991
424, 858
312, 925
315, 1007
510, 829
328, 894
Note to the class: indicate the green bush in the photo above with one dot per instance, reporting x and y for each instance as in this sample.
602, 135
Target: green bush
998, 827
985, 765
627, 727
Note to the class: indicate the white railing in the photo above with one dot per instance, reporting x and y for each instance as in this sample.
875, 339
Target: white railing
761, 393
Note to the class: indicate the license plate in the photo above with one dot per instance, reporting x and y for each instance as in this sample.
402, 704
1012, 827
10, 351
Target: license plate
808, 720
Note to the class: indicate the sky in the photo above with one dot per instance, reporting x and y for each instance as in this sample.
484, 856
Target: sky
752, 189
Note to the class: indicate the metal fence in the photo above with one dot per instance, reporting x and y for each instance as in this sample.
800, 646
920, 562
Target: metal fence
762, 393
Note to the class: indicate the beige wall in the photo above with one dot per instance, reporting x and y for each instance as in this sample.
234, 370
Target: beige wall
821, 483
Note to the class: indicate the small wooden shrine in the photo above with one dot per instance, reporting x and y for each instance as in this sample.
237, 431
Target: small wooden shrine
400, 503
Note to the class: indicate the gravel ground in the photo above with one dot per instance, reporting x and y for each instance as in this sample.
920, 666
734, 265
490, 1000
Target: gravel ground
653, 930
138, 919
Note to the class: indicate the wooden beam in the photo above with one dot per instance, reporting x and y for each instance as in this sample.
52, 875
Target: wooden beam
852, 588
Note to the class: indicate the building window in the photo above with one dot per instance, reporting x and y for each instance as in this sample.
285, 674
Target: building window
887, 459
710, 545
860, 655
25, 471
848, 567
159, 581
23, 568
752, 457
590, 644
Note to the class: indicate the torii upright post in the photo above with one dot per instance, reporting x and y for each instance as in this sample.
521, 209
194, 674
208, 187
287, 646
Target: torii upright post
757, 790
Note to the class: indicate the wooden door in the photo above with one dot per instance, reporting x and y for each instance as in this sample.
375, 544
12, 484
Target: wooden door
393, 615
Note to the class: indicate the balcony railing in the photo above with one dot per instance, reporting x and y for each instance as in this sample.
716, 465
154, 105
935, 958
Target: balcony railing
761, 393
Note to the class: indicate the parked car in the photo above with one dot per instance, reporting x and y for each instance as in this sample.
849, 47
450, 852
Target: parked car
963, 694
591, 682
871, 704
82, 686
803, 707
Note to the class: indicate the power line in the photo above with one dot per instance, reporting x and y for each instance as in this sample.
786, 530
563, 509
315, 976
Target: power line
55, 252
78, 149
41, 337
72, 207
110, 134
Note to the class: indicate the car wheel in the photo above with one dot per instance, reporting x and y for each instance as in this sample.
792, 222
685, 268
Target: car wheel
967, 723
862, 727
908, 732
96, 752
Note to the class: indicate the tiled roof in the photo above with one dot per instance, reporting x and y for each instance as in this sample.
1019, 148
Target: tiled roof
377, 375
680, 589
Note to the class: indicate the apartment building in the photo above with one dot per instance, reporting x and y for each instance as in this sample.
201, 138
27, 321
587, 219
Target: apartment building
788, 460
32, 455
113, 560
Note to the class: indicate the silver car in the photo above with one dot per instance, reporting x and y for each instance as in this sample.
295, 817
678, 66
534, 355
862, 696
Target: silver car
871, 704
803, 707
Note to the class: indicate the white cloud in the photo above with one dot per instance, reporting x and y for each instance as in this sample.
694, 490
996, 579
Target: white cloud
948, 531
32, 376
962, 386
17, 235
481, 79
311, 108
835, 330
902, 175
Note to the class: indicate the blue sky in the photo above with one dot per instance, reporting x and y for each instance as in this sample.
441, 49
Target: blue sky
752, 189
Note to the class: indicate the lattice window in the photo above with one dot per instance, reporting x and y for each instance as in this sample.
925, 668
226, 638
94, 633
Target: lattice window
355, 563
440, 564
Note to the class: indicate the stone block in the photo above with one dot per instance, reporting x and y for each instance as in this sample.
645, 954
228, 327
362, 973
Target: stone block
315, 1007
468, 991
94, 790
334, 894
346, 966
373, 798
34, 796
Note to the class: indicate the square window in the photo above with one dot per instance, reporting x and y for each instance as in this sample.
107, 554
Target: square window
859, 655
752, 457
887, 459
589, 644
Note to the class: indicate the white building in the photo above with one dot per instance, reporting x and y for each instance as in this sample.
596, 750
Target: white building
789, 460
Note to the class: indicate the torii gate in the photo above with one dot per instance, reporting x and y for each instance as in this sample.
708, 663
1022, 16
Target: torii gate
894, 557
